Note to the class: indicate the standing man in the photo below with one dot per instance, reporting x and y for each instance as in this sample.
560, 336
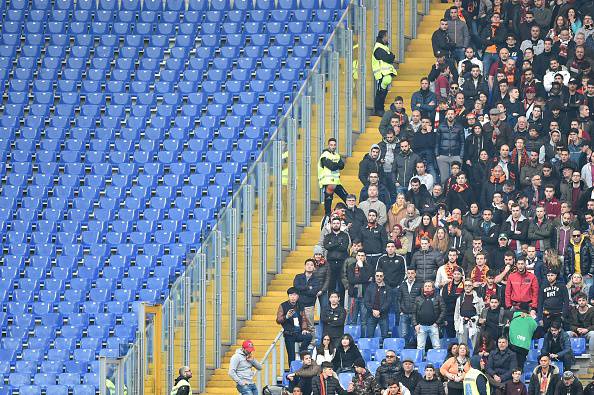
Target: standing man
383, 69
377, 303
308, 287
240, 369
329, 167
291, 317
522, 287
394, 268
337, 244
553, 300
333, 316
407, 294
429, 314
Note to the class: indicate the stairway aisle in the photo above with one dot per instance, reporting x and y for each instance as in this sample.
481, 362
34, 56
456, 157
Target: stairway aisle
262, 329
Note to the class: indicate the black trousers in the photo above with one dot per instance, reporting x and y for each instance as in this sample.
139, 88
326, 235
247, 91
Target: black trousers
380, 97
328, 197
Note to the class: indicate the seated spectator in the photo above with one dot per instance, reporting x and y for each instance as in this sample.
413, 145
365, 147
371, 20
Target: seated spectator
346, 354
430, 384
501, 363
325, 351
408, 376
557, 346
395, 388
388, 370
516, 386
326, 383
575, 286
544, 377
569, 385
581, 321
363, 381
454, 369
303, 376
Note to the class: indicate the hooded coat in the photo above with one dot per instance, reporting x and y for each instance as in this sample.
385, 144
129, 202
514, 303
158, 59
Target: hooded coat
369, 165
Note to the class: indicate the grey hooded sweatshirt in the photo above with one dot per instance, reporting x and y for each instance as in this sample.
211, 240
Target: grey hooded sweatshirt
240, 369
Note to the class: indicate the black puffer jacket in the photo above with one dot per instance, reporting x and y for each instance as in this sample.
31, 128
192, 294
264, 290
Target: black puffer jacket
331, 384
438, 308
429, 387
407, 299
368, 165
386, 372
426, 263
450, 140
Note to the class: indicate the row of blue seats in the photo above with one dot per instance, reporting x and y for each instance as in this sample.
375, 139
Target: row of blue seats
53, 366
120, 29
169, 5
86, 389
175, 17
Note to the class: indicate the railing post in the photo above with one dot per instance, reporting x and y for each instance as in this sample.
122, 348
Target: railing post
142, 348
233, 273
248, 197
349, 92
306, 129
203, 318
187, 319
171, 317
263, 211
387, 17
425, 7
320, 98
218, 296
362, 68
292, 216
277, 164
413, 18
334, 75
401, 28
102, 375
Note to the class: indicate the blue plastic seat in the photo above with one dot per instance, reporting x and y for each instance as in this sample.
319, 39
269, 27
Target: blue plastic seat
415, 355
436, 356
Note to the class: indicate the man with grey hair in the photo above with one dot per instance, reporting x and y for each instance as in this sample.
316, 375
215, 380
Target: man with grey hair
182, 383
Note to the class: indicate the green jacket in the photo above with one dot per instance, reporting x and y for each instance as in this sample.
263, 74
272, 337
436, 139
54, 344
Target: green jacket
521, 329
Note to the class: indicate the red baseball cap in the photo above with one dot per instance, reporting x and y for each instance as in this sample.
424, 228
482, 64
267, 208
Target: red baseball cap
248, 346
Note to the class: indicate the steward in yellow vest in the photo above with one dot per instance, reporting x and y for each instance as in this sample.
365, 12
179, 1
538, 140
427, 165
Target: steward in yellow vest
383, 69
329, 167
182, 383
476, 383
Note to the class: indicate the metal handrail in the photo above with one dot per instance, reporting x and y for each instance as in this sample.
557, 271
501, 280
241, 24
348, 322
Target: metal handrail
271, 358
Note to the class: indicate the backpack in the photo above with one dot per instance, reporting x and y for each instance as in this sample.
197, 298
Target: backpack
589, 390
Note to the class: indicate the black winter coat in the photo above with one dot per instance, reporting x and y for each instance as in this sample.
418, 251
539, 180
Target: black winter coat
307, 289
368, 165
407, 299
426, 263
345, 359
337, 245
438, 307
460, 200
501, 363
585, 258
332, 386
429, 387
450, 140
333, 320
384, 298
386, 372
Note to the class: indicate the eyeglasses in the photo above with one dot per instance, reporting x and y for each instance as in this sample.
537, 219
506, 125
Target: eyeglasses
577, 235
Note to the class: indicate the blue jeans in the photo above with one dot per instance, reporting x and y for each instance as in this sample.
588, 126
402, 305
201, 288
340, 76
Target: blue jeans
249, 389
357, 313
459, 53
488, 60
432, 331
373, 321
405, 329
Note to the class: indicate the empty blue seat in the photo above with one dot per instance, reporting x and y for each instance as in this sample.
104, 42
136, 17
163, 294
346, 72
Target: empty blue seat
415, 355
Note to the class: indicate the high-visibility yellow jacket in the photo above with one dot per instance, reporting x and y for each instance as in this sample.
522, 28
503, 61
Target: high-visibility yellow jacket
325, 175
181, 383
379, 67
470, 387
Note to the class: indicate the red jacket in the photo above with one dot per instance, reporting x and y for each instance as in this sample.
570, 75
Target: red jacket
552, 207
521, 288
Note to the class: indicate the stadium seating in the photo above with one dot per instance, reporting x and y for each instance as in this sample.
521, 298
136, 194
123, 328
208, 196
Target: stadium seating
123, 131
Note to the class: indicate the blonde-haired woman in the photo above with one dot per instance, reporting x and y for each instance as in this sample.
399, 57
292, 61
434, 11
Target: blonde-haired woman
440, 241
576, 286
397, 212
455, 368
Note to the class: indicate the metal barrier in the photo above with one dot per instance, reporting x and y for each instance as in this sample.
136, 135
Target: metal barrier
245, 247
273, 363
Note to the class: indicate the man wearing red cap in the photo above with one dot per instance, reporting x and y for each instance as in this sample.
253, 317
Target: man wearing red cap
240, 369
